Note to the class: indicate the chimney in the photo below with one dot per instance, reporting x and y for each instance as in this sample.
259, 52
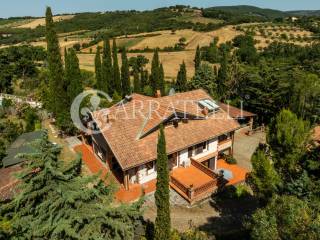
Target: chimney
158, 94
205, 111
110, 118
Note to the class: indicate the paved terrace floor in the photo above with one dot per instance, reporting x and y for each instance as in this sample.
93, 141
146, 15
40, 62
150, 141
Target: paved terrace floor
191, 176
239, 173
96, 166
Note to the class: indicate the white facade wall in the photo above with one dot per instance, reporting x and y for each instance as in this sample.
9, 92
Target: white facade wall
183, 158
213, 145
145, 176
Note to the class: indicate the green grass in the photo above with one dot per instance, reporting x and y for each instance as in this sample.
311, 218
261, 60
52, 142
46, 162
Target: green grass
131, 42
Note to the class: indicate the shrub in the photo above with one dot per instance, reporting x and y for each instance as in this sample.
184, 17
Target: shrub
231, 160
242, 191
234, 192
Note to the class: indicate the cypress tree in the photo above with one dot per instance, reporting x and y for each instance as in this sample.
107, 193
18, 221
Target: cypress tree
107, 72
66, 66
136, 82
162, 197
116, 71
181, 84
197, 59
73, 74
144, 79
223, 76
57, 88
65, 57
162, 85
125, 75
155, 71
98, 70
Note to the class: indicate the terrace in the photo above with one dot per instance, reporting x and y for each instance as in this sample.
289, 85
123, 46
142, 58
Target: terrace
195, 182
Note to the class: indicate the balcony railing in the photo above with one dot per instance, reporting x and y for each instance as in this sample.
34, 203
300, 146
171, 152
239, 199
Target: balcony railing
225, 144
204, 156
204, 169
193, 194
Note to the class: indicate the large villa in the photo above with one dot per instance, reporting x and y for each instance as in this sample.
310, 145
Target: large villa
198, 133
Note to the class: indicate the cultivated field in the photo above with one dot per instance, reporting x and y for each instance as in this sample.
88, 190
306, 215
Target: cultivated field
225, 34
42, 21
268, 33
62, 42
162, 39
171, 62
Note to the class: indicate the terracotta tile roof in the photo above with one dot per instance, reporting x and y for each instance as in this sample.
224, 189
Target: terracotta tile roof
316, 134
234, 112
130, 121
8, 182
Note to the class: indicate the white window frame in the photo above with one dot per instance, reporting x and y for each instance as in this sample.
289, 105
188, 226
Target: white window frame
151, 170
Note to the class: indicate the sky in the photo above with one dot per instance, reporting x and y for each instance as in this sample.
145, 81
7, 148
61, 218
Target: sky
10, 8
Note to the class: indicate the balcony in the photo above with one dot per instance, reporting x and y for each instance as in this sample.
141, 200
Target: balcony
204, 156
194, 183
225, 144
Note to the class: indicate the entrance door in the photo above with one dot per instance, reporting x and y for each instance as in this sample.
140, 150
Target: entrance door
173, 161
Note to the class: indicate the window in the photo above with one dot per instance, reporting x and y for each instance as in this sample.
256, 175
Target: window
199, 148
150, 167
190, 150
224, 137
205, 146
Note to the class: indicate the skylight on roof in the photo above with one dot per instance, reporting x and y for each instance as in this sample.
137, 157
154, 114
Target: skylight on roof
209, 104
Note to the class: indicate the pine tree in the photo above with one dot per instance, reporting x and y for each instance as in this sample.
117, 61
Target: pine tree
155, 72
181, 84
163, 222
57, 92
116, 71
204, 78
287, 136
264, 179
125, 75
98, 70
108, 85
197, 59
73, 74
57, 202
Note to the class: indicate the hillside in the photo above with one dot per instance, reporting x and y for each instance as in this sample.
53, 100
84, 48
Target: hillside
304, 13
243, 13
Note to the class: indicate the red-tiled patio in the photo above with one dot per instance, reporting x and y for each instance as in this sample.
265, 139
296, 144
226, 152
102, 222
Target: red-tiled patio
191, 176
239, 173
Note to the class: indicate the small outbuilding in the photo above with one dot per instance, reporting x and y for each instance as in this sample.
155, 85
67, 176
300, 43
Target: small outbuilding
20, 146
243, 117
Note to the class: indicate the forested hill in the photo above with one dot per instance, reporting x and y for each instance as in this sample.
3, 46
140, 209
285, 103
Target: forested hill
129, 22
244, 11
304, 13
